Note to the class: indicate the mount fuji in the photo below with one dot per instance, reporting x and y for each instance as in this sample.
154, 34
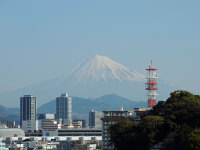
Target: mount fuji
93, 77
99, 68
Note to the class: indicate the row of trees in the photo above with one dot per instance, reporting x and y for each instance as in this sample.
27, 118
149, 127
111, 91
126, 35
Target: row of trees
175, 124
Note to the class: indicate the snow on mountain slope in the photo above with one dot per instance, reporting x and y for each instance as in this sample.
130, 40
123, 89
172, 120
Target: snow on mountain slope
103, 68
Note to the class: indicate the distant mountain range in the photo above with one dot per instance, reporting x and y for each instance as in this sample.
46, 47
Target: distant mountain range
9, 113
80, 106
93, 77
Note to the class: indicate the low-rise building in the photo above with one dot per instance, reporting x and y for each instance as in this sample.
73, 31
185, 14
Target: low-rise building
54, 142
77, 124
45, 116
30, 125
50, 127
36, 133
139, 113
9, 123
2, 144
80, 132
84, 122
11, 132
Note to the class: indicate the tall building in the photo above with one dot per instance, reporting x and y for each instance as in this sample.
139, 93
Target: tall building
112, 117
64, 109
28, 112
95, 119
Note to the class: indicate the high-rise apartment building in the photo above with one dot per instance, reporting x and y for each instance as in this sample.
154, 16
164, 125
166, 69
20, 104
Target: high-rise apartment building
95, 119
28, 112
64, 109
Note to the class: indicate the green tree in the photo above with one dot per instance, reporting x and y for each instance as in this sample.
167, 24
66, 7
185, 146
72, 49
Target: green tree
122, 134
193, 140
183, 107
126, 134
150, 128
181, 115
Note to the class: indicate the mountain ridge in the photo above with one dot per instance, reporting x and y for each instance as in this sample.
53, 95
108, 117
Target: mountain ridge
80, 106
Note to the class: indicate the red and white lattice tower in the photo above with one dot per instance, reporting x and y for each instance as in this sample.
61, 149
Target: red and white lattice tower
151, 86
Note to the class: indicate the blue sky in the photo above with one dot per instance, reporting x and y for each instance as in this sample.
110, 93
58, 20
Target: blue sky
40, 40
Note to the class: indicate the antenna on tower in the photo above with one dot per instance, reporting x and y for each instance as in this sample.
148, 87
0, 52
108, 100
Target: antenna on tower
151, 86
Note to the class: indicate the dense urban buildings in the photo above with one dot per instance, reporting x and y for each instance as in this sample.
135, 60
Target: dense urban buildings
28, 112
95, 119
8, 124
52, 143
64, 109
58, 131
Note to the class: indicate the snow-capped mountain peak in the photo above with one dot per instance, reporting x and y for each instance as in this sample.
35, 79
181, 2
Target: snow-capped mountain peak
103, 68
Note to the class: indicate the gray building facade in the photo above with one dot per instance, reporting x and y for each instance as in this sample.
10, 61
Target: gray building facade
27, 108
95, 119
64, 109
